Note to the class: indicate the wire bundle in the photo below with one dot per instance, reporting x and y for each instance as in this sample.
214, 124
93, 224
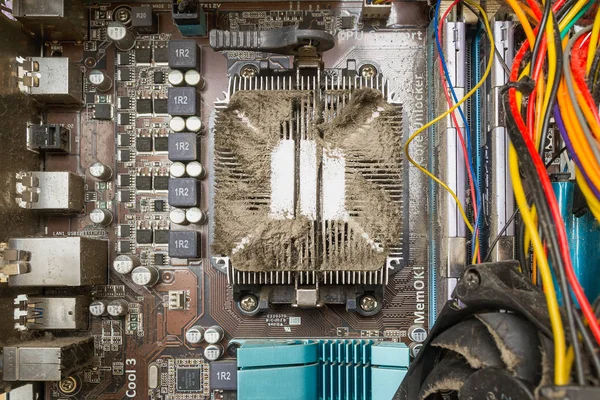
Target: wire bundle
552, 92
555, 79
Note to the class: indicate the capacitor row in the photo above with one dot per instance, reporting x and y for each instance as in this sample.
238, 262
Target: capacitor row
213, 336
190, 124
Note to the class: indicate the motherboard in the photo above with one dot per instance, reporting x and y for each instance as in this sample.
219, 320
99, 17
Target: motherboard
212, 201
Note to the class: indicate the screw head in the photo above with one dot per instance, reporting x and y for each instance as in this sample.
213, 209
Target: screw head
472, 280
67, 385
368, 71
249, 303
368, 303
248, 71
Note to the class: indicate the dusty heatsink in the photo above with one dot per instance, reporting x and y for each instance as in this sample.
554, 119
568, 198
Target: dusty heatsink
307, 177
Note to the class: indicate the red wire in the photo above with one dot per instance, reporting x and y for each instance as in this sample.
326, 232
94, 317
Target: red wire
578, 61
552, 203
536, 10
458, 129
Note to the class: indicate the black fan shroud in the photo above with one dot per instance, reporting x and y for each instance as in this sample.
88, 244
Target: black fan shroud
492, 340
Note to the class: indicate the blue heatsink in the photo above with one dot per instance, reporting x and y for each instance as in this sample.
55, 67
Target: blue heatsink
583, 233
350, 369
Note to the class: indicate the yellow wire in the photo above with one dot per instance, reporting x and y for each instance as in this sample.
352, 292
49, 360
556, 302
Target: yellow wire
451, 110
593, 43
592, 201
552, 71
571, 14
561, 375
524, 21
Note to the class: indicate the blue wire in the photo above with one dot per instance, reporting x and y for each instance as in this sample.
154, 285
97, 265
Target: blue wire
462, 116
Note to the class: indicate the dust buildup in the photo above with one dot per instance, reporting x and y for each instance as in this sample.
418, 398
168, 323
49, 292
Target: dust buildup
366, 130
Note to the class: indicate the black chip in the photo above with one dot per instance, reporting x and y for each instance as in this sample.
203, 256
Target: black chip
124, 74
143, 236
124, 155
124, 119
124, 180
124, 231
124, 140
159, 205
159, 259
159, 77
161, 54
143, 143
161, 106
124, 196
188, 379
161, 236
143, 182
90, 98
124, 103
161, 143
348, 22
161, 182
144, 106
124, 246
123, 59
143, 55
103, 111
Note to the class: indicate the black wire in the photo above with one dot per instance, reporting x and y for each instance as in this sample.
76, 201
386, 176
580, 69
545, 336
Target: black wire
516, 212
588, 344
564, 9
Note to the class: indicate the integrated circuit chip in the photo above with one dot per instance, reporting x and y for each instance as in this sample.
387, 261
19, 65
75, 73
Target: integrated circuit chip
143, 236
143, 182
143, 144
189, 380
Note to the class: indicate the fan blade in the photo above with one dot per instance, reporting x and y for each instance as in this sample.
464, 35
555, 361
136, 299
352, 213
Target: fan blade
494, 383
449, 375
518, 342
472, 340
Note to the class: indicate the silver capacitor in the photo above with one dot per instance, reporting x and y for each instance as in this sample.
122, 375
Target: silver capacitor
175, 77
195, 170
101, 172
178, 216
213, 352
195, 215
193, 78
145, 276
117, 308
195, 334
100, 80
193, 124
177, 124
125, 263
177, 169
214, 334
98, 308
123, 38
101, 216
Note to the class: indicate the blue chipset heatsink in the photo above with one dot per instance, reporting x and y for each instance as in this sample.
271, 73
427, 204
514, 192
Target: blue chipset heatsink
320, 369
